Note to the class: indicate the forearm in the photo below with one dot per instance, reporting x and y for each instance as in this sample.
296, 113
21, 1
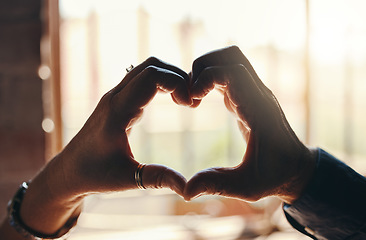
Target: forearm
333, 203
47, 207
9, 232
49, 201
295, 186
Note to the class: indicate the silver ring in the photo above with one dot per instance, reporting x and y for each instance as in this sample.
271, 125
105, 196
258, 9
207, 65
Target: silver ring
129, 69
138, 176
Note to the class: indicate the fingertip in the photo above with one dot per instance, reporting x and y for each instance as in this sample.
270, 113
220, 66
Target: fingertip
203, 86
181, 96
194, 188
184, 96
189, 196
187, 100
187, 199
195, 103
196, 91
182, 100
186, 194
160, 176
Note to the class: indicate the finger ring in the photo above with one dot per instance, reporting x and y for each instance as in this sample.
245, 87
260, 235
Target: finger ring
138, 176
129, 69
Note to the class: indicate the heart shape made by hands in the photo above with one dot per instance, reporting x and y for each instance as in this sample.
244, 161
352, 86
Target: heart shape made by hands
273, 163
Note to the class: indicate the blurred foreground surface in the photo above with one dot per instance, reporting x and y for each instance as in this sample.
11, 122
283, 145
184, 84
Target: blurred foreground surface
132, 216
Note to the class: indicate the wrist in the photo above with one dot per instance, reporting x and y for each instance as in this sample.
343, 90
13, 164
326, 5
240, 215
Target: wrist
48, 203
295, 186
25, 231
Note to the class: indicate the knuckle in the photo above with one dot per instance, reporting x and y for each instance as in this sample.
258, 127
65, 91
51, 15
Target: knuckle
198, 64
234, 48
236, 54
153, 60
150, 70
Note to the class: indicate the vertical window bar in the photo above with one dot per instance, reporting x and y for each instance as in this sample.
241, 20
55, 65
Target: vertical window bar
307, 91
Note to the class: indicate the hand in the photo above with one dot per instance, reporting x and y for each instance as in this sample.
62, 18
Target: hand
99, 158
275, 162
101, 154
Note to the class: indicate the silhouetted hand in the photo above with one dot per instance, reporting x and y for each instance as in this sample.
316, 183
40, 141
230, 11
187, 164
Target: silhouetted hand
101, 152
275, 161
99, 158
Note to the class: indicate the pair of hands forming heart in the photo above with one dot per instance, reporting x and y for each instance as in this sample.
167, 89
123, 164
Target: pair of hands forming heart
274, 156
99, 158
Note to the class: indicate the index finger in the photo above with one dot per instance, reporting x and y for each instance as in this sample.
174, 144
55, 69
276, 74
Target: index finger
131, 100
221, 57
246, 99
151, 61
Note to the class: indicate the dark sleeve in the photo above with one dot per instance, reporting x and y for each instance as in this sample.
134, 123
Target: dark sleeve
333, 205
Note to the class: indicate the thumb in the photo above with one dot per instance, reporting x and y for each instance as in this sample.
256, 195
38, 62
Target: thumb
160, 176
210, 181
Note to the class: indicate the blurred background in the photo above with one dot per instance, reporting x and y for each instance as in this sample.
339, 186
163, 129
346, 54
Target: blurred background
57, 58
